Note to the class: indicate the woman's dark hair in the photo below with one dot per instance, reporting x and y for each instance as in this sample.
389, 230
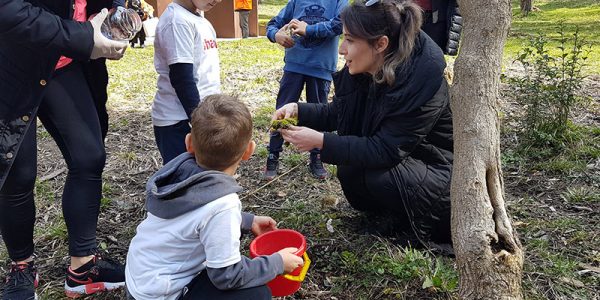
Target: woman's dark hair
399, 20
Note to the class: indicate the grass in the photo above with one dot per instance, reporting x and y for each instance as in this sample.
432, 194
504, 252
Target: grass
268, 9
582, 14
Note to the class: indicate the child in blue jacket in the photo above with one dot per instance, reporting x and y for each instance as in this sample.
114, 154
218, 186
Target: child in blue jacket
310, 59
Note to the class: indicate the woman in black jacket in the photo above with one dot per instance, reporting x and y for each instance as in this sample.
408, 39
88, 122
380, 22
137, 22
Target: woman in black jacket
35, 84
393, 146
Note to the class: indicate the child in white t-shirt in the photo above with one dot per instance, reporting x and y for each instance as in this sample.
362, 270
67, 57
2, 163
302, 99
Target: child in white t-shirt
187, 62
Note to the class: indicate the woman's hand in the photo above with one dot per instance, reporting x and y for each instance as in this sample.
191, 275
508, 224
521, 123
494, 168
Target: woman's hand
304, 138
104, 47
289, 110
263, 224
298, 27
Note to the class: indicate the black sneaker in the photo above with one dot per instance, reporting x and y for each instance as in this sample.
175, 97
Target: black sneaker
21, 282
272, 166
97, 275
316, 166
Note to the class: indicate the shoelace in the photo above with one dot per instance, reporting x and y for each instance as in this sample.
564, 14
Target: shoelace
18, 273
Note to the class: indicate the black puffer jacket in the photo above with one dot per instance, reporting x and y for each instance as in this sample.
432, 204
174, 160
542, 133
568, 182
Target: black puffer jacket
33, 35
380, 127
446, 15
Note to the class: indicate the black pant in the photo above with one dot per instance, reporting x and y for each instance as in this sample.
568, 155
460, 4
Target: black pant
97, 78
170, 140
68, 114
202, 288
290, 88
423, 192
139, 37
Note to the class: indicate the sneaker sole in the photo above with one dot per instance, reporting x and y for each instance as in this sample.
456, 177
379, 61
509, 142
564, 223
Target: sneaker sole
92, 288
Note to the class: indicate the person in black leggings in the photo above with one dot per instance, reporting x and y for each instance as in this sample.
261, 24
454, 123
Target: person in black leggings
68, 113
35, 83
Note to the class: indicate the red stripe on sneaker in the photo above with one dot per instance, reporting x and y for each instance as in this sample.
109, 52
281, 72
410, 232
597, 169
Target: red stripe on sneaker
94, 287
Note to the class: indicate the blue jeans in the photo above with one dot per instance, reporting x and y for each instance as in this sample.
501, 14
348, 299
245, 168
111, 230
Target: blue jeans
171, 139
290, 88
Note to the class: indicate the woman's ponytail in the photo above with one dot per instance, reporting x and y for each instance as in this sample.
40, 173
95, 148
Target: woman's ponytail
402, 42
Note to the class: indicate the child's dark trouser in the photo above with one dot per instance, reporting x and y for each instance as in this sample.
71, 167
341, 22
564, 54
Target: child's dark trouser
68, 114
202, 288
290, 88
170, 140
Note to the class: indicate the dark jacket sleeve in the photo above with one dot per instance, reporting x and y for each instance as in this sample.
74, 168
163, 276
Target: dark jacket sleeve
318, 116
23, 24
400, 132
247, 272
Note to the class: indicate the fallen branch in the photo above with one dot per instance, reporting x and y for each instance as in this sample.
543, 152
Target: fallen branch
53, 174
269, 182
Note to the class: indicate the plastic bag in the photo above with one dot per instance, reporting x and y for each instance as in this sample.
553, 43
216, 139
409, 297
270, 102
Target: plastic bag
122, 24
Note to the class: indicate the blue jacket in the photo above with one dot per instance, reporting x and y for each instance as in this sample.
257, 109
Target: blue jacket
32, 38
316, 53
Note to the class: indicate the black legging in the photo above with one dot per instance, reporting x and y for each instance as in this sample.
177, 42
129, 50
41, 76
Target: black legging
68, 114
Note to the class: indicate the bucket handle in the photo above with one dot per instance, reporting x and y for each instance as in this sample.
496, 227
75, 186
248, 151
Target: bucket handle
302, 274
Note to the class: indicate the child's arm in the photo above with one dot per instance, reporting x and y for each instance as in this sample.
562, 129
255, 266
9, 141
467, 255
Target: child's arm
284, 17
247, 272
181, 76
325, 29
254, 272
178, 49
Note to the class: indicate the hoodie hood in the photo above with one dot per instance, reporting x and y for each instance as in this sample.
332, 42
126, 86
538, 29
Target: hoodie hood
182, 186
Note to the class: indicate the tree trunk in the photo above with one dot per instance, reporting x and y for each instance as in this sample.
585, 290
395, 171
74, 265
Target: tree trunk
489, 255
526, 6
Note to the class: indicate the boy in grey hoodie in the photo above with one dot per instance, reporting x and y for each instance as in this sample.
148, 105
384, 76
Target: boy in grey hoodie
188, 245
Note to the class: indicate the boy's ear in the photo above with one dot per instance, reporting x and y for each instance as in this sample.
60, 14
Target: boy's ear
249, 150
189, 145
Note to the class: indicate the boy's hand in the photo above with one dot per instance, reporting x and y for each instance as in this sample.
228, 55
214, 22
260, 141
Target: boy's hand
304, 138
283, 38
263, 224
298, 27
291, 261
289, 110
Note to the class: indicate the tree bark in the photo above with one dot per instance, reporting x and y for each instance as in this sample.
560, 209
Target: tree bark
526, 6
489, 255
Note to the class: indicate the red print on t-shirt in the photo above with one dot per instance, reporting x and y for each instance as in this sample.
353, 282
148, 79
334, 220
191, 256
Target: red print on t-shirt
209, 44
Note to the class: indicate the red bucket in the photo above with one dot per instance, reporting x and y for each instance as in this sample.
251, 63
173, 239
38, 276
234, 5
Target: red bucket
273, 241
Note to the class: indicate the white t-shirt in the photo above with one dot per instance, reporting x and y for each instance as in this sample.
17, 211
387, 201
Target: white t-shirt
166, 254
183, 37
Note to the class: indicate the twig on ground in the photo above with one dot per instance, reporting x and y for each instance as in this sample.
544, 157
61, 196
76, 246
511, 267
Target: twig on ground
269, 182
53, 174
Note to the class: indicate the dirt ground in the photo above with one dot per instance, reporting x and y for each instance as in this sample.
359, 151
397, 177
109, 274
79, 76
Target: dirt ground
553, 230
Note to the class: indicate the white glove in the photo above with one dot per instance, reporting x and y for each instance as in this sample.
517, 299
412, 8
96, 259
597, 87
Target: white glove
104, 47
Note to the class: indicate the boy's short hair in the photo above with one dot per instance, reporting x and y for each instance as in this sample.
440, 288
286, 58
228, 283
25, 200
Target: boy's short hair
221, 131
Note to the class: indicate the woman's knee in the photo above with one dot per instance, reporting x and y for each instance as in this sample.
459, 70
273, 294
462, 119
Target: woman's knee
352, 182
90, 162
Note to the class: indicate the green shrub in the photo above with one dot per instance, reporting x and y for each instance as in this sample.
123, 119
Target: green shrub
547, 90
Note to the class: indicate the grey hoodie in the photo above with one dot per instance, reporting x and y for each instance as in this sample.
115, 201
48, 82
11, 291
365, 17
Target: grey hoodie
182, 186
